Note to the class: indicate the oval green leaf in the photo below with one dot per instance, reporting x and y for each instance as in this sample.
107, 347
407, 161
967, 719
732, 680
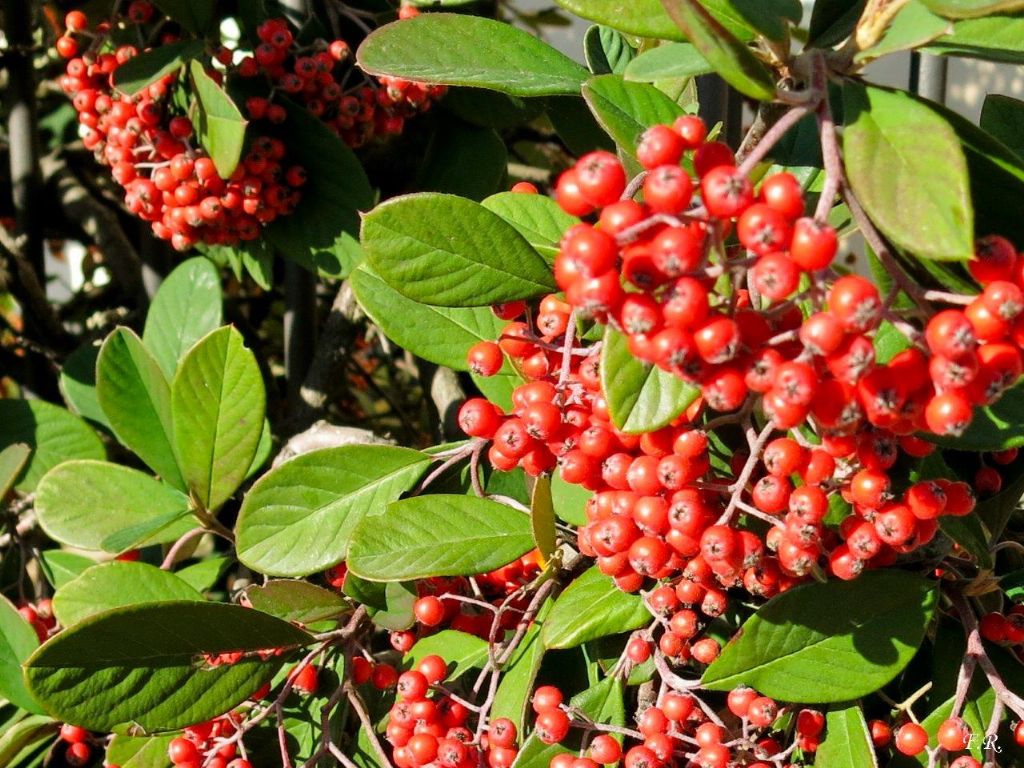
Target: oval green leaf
116, 585
829, 642
13, 459
136, 399
647, 18
968, 9
144, 665
670, 60
908, 170
451, 252
321, 233
53, 434
625, 110
296, 601
731, 59
453, 49
84, 503
150, 66
186, 307
519, 674
220, 126
592, 607
994, 38
847, 742
641, 397
298, 519
217, 406
441, 335
440, 535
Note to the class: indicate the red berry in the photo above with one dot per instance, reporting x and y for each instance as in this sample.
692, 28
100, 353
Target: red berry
911, 739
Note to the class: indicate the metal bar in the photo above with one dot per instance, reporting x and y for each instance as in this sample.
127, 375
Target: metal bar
928, 75
713, 97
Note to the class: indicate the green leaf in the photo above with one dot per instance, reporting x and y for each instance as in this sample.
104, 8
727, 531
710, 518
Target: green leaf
441, 335
542, 517
150, 66
519, 673
969, 534
537, 217
448, 251
570, 500
397, 614
54, 435
17, 641
61, 567
769, 17
78, 384
731, 59
117, 584
186, 307
891, 139
977, 713
997, 177
828, 642
220, 126
136, 399
453, 49
138, 751
606, 50
1002, 118
464, 160
889, 341
592, 607
625, 110
202, 576
832, 21
217, 402
575, 125
491, 109
641, 397
667, 61
83, 503
847, 742
996, 38
440, 535
969, 9
913, 26
12, 461
23, 735
298, 518
296, 601
460, 650
193, 15
647, 18
143, 664
321, 233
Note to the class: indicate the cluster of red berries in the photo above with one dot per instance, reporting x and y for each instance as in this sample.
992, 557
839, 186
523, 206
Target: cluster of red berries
675, 727
1004, 628
148, 140
953, 735
658, 271
317, 76
208, 745
440, 603
149, 143
78, 745
426, 726
40, 616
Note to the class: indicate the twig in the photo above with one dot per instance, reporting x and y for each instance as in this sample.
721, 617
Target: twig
748, 470
772, 137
